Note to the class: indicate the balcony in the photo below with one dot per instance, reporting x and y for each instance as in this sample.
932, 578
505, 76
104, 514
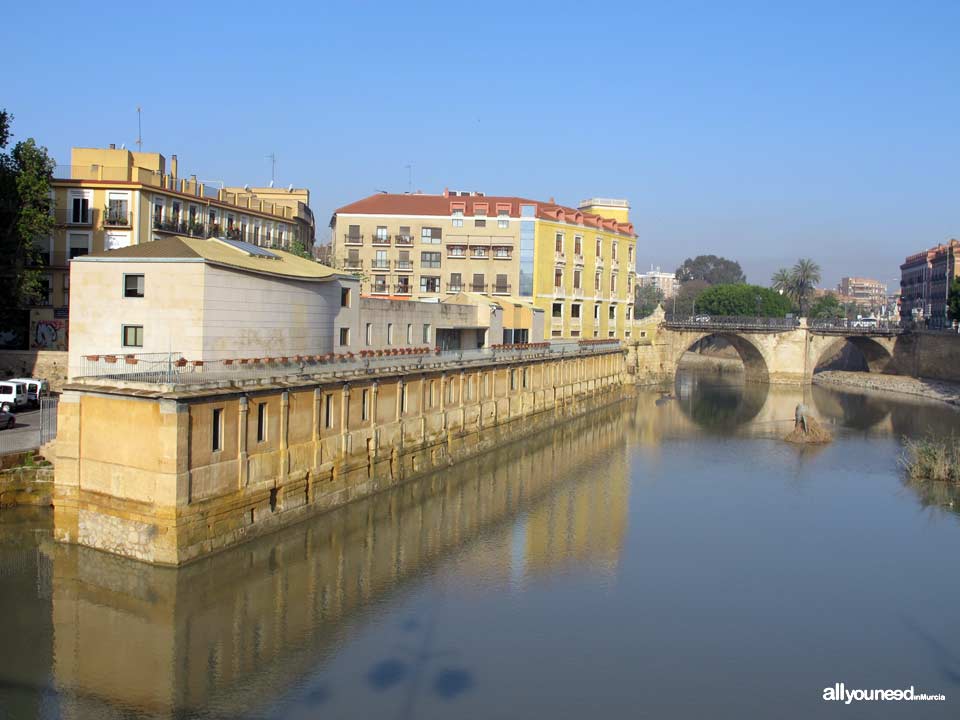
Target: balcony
379, 289
478, 287
353, 239
559, 258
578, 259
503, 256
456, 254
454, 287
353, 264
501, 289
380, 240
380, 265
578, 292
558, 292
402, 289
115, 218
614, 264
169, 224
77, 219
479, 254
599, 262
403, 266
406, 240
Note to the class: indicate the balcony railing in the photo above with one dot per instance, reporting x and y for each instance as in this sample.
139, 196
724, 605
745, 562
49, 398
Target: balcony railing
403, 239
380, 289
378, 240
169, 224
352, 264
380, 265
353, 239
578, 292
479, 254
404, 265
115, 218
502, 256
478, 287
69, 217
501, 289
403, 289
577, 259
454, 287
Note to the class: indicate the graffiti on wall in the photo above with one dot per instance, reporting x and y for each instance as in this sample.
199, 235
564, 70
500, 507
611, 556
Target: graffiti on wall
48, 334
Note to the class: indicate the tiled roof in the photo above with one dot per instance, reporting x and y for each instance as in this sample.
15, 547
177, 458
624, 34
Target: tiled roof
217, 252
440, 205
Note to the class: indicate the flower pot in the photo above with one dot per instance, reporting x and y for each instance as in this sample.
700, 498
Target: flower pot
110, 358
130, 360
181, 362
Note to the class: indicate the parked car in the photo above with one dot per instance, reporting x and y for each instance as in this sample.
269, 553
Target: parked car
13, 395
7, 420
702, 319
36, 389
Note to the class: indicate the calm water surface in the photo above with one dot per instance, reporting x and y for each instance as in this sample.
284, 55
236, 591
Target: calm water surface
661, 558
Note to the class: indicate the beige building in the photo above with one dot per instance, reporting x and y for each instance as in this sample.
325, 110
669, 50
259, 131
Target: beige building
577, 265
665, 282
867, 294
109, 198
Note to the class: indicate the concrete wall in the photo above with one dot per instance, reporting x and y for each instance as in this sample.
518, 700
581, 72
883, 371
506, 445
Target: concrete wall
168, 493
381, 313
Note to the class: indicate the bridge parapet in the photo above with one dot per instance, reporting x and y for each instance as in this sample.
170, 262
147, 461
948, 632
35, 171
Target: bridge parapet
704, 323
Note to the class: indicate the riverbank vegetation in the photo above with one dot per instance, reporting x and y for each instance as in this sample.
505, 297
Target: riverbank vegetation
932, 458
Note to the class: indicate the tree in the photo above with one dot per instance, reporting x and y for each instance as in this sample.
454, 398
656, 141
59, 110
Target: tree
781, 281
742, 300
803, 279
953, 299
711, 269
827, 307
686, 299
645, 300
25, 220
299, 249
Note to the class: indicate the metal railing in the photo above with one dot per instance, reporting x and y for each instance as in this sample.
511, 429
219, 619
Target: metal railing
403, 239
70, 217
377, 240
115, 218
500, 289
173, 369
854, 327
712, 322
353, 239
404, 265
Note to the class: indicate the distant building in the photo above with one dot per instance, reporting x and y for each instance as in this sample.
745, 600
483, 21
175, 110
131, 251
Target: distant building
576, 264
110, 198
666, 282
869, 296
925, 280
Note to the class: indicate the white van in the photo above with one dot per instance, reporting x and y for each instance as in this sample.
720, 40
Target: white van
36, 389
13, 395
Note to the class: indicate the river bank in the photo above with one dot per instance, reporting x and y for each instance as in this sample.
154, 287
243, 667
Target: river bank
948, 392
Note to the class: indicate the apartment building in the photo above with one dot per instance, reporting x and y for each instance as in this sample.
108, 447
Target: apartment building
867, 294
576, 264
109, 198
925, 280
665, 282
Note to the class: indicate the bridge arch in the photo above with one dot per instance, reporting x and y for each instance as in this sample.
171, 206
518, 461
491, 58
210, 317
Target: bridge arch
876, 352
755, 364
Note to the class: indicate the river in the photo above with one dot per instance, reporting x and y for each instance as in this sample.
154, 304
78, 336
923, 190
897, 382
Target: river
668, 556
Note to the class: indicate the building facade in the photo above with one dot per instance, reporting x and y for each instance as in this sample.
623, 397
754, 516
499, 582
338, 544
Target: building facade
665, 282
577, 265
925, 280
869, 295
110, 198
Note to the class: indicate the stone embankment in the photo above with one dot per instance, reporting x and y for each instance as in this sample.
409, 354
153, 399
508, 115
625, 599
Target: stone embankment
948, 392
25, 479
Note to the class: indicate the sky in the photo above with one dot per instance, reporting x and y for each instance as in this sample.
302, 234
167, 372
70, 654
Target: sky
759, 131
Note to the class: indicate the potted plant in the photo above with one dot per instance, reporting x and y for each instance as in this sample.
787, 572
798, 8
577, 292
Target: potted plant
110, 358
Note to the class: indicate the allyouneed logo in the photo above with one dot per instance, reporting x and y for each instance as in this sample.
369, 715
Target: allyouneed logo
840, 693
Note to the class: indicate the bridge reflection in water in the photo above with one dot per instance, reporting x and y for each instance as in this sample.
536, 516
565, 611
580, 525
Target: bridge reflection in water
244, 627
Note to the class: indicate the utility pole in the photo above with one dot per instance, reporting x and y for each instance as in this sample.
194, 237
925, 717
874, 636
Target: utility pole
272, 157
139, 131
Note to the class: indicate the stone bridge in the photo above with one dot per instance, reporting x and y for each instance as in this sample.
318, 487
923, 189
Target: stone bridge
788, 352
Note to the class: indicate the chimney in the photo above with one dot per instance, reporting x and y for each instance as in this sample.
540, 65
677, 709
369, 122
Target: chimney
446, 192
113, 146
173, 165
551, 199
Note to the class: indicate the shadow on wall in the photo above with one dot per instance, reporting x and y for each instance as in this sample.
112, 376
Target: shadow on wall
49, 365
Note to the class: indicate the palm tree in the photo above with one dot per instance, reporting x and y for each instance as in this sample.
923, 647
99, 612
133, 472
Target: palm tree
781, 281
804, 278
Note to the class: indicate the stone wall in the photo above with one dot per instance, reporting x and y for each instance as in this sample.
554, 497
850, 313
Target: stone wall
938, 356
210, 468
50, 365
26, 486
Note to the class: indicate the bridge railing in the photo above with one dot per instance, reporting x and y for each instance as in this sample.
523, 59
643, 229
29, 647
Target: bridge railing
854, 327
727, 322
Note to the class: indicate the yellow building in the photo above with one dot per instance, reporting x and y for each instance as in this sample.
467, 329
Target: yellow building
110, 198
577, 265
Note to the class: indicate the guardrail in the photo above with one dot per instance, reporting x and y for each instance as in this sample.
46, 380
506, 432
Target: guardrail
173, 369
711, 322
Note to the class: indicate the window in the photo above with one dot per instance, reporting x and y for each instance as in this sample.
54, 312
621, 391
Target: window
403, 285
403, 398
456, 284
157, 213
328, 410
599, 248
630, 253
613, 312
613, 283
429, 283
456, 251
503, 253
261, 422
365, 405
344, 336
479, 283
596, 312
426, 332
575, 310
577, 245
404, 233
558, 310
382, 233
430, 236
389, 333
118, 208
558, 243
458, 217
79, 244
526, 379
558, 278
576, 279
613, 250
132, 335
513, 378
380, 261
175, 212
480, 251
503, 218
596, 282
380, 284
501, 285
80, 210
216, 432
430, 259
409, 333
353, 233
344, 297
133, 286
480, 216
368, 334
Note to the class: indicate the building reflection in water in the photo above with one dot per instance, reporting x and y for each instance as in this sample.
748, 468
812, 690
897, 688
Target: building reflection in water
236, 630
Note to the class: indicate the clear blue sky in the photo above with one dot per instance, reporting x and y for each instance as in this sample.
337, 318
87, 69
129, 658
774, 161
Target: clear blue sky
752, 130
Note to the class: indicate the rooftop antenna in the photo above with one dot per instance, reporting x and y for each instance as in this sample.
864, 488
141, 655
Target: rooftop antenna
272, 157
139, 130
409, 167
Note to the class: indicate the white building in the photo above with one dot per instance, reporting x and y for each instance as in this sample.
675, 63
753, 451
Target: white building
665, 281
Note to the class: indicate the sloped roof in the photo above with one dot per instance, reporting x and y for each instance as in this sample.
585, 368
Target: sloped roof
218, 252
